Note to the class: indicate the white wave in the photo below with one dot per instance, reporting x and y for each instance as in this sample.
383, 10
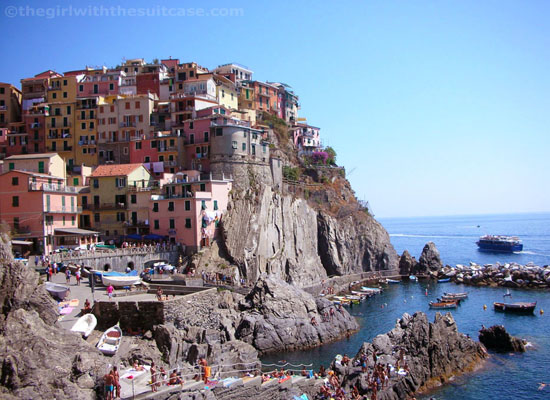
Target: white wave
531, 253
432, 236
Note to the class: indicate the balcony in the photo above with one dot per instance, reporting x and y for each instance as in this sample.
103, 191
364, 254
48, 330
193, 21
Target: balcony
105, 206
170, 163
86, 142
63, 210
21, 230
47, 187
128, 124
3, 108
36, 125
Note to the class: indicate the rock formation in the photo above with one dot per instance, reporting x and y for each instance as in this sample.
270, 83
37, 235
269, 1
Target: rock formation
39, 360
407, 264
429, 262
279, 316
496, 338
510, 275
433, 352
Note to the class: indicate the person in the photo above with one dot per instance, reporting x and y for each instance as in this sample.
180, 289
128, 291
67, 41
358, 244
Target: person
108, 379
175, 379
153, 371
68, 275
163, 376
49, 271
331, 313
110, 289
87, 307
205, 369
304, 372
159, 294
116, 382
313, 321
77, 276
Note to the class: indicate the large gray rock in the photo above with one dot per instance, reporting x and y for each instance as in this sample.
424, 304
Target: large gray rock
39, 360
430, 260
496, 338
278, 316
407, 264
434, 352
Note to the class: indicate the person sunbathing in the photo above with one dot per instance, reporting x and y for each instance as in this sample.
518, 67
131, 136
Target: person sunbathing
175, 379
138, 367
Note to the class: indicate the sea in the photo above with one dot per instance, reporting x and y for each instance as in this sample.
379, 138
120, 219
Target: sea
502, 376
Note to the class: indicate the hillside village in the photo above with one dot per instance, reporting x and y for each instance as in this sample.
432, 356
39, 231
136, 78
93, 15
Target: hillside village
143, 152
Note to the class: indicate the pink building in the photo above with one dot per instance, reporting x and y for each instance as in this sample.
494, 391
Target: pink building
189, 209
41, 210
307, 138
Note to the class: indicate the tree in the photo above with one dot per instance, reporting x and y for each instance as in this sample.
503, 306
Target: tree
331, 155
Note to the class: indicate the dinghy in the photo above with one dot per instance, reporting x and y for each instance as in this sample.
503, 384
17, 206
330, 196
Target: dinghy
85, 325
120, 281
57, 290
110, 340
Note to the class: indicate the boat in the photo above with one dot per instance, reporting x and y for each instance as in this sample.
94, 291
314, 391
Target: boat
371, 289
110, 340
85, 325
392, 281
57, 290
442, 306
443, 280
120, 281
447, 300
507, 244
462, 295
517, 307
413, 278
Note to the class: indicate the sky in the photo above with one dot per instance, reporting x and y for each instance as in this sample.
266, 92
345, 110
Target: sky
433, 107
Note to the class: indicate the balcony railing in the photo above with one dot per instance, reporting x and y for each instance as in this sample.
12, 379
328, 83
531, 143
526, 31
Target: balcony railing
128, 124
105, 206
63, 210
167, 148
86, 142
170, 163
35, 125
49, 187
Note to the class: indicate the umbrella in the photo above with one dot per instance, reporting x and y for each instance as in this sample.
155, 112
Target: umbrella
153, 236
134, 236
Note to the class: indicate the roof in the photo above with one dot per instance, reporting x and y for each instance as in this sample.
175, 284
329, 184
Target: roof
75, 231
30, 156
115, 170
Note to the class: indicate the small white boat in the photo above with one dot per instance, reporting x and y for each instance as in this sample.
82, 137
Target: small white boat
371, 289
85, 324
57, 290
413, 278
120, 281
110, 340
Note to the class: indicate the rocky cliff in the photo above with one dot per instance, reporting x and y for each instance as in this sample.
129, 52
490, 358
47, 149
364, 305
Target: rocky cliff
39, 360
432, 353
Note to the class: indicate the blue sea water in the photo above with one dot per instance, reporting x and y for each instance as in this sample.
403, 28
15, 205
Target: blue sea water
503, 376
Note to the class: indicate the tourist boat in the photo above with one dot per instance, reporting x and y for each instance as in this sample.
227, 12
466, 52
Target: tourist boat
462, 295
444, 280
110, 340
85, 325
57, 290
518, 307
507, 244
120, 281
442, 306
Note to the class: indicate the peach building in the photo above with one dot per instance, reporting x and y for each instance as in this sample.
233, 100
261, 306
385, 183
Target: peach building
189, 209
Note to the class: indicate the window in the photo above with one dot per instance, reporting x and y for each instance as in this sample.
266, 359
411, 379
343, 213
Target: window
80, 88
75, 181
203, 187
127, 106
146, 159
54, 95
156, 224
111, 86
65, 96
120, 216
133, 199
15, 181
64, 82
73, 219
120, 182
234, 144
15, 201
219, 131
264, 148
40, 167
206, 136
188, 223
138, 104
191, 138
16, 223
187, 205
172, 223
191, 125
63, 220
72, 204
244, 146
96, 217
138, 145
170, 206
215, 204
83, 125
63, 201
96, 183
12, 166
155, 207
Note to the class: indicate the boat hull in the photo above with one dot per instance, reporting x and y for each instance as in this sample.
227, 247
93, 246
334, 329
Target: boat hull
110, 341
442, 306
85, 325
57, 291
515, 308
120, 281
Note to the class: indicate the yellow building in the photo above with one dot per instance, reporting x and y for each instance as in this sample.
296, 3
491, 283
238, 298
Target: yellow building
43, 163
10, 104
60, 134
110, 186
86, 131
226, 92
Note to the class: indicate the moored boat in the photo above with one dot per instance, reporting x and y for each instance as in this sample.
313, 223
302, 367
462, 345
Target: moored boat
57, 290
371, 289
517, 307
447, 300
462, 295
392, 281
110, 340
443, 280
442, 306
120, 281
413, 278
85, 325
506, 244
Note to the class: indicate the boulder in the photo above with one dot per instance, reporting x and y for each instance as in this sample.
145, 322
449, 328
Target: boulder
407, 263
498, 339
429, 259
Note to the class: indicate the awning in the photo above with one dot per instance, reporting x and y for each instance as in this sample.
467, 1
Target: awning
153, 236
21, 242
74, 231
134, 236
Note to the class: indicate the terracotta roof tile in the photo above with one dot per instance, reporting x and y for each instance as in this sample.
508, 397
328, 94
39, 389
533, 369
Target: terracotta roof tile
114, 170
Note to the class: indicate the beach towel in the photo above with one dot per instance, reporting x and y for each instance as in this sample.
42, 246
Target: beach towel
66, 310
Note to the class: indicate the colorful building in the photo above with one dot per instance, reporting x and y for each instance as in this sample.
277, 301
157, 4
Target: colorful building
189, 208
306, 138
45, 163
10, 104
86, 110
236, 72
109, 197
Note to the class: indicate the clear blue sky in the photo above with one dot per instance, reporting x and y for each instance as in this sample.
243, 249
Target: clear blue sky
438, 107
